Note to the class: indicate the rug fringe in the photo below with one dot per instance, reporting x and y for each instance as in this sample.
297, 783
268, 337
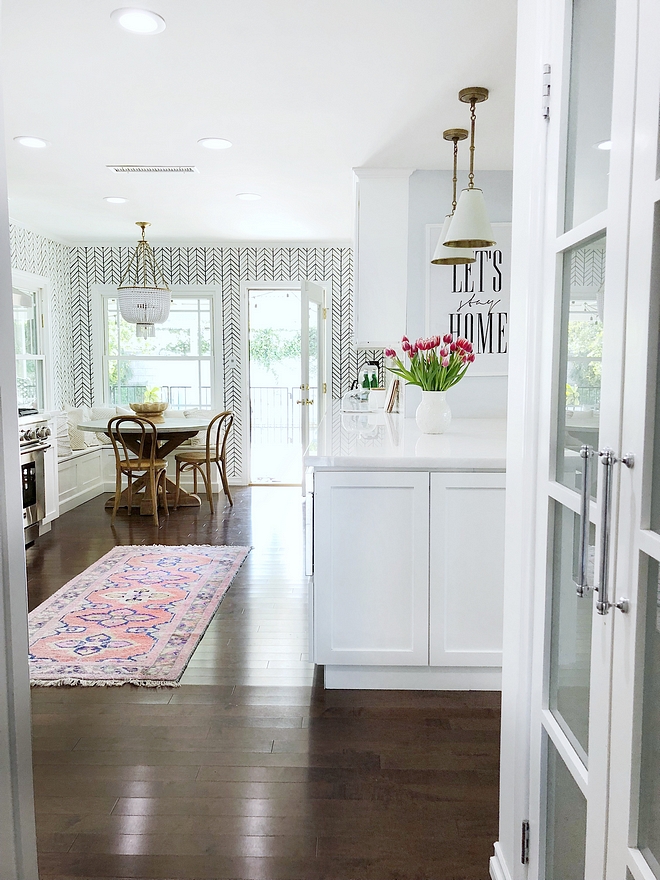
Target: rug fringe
81, 682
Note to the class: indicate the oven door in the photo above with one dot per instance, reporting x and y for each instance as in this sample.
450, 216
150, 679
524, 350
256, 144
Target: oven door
32, 483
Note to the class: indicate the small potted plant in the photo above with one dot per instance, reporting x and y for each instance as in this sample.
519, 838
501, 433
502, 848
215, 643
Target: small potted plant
435, 364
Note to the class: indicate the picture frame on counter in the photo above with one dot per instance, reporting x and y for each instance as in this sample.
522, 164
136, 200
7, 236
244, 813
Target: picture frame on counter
393, 397
472, 300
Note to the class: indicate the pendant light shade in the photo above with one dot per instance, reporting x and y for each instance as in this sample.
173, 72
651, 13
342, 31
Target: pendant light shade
470, 226
445, 256
143, 295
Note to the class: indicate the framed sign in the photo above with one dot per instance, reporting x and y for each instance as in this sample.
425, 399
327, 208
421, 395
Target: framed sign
473, 300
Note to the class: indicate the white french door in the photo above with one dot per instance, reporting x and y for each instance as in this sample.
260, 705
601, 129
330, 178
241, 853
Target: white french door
595, 738
313, 382
634, 826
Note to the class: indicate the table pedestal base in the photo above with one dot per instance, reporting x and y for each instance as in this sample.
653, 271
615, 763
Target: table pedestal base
143, 501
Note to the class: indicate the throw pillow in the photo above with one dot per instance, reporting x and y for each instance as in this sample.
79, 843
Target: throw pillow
62, 435
198, 439
105, 413
76, 415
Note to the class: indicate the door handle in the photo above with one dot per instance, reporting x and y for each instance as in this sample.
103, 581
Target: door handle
608, 459
582, 583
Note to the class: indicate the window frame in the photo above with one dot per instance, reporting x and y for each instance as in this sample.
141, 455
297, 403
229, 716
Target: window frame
40, 286
100, 293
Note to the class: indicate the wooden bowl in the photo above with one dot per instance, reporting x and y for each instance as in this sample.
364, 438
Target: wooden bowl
149, 410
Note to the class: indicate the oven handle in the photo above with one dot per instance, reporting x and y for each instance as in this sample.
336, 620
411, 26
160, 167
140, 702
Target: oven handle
42, 447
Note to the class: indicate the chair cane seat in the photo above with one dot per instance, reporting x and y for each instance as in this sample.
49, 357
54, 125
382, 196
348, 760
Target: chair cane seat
137, 464
194, 455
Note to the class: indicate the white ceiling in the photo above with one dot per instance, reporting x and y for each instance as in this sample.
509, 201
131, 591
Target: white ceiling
305, 90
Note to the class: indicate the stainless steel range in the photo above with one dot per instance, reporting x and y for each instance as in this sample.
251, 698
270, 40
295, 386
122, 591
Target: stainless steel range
33, 440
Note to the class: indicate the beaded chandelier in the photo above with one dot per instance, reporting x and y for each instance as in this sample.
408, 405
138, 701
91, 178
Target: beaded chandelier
143, 294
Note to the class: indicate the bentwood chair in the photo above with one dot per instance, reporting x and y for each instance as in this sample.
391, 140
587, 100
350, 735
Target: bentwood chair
200, 460
135, 454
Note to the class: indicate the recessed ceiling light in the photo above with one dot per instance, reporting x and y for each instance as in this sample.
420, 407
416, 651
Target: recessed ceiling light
214, 143
248, 197
34, 142
115, 200
603, 145
138, 21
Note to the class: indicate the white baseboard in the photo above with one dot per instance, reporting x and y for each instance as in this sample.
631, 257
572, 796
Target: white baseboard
80, 498
497, 866
421, 678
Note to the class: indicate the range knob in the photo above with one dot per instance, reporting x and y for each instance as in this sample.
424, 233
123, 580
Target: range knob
21, 437
30, 434
43, 433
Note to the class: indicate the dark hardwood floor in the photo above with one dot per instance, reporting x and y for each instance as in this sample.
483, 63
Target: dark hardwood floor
251, 769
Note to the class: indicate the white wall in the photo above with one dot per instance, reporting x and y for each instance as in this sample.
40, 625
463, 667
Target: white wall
430, 200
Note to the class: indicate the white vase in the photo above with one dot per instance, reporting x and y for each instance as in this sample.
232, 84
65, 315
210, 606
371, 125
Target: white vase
433, 415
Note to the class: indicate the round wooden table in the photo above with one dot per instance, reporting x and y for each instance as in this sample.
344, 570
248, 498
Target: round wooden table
170, 434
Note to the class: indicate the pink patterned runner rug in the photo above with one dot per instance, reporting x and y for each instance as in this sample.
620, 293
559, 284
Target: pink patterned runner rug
133, 617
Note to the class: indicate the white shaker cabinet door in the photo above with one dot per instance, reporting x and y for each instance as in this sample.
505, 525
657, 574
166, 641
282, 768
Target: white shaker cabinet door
371, 568
466, 569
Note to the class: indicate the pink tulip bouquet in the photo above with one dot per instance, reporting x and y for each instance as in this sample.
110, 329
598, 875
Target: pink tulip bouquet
435, 364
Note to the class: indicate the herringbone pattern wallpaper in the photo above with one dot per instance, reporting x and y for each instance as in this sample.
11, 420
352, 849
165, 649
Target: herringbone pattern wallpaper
225, 267
72, 271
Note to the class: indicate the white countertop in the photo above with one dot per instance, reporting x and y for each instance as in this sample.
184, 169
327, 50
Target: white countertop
382, 441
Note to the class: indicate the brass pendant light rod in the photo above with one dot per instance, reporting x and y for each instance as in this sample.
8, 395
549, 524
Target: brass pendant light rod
455, 135
473, 95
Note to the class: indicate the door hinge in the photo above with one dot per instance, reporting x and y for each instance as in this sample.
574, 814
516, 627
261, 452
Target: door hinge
524, 843
325, 313
325, 387
547, 76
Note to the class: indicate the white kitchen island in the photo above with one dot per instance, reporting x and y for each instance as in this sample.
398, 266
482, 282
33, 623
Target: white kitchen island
407, 553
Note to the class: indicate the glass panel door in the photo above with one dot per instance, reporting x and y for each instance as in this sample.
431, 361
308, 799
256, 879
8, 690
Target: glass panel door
582, 393
566, 819
590, 110
312, 380
634, 839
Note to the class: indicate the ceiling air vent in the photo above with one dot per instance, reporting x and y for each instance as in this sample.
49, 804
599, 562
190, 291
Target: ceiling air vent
153, 169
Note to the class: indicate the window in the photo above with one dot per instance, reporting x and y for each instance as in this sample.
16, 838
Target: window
176, 365
30, 358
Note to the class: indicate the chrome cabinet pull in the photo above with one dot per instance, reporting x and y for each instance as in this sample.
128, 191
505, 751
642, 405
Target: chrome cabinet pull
608, 460
582, 583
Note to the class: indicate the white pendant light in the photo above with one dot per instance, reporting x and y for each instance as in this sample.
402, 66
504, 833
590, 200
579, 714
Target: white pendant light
470, 226
143, 295
444, 256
